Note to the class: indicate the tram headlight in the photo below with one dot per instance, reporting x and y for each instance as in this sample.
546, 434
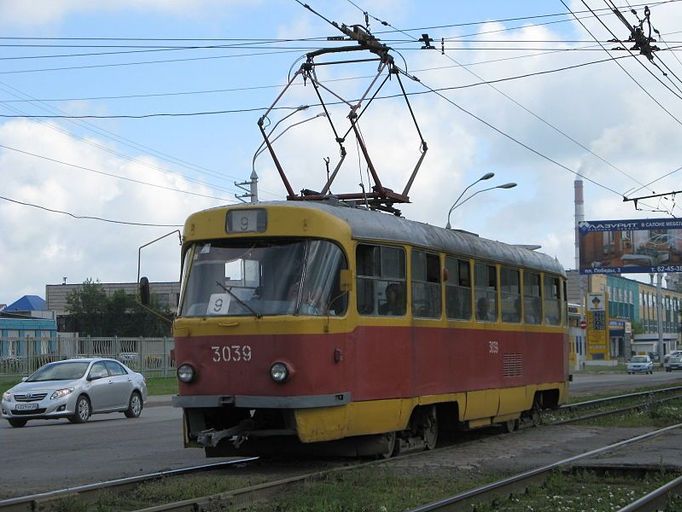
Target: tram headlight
186, 373
279, 372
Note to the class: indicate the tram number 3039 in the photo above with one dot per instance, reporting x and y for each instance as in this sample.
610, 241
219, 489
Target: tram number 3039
231, 353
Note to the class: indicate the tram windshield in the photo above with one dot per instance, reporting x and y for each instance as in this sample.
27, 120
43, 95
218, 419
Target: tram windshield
256, 277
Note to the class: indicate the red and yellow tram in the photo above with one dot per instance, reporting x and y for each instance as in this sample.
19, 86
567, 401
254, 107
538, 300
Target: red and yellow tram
319, 326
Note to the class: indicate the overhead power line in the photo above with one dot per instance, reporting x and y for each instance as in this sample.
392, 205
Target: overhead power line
103, 173
518, 104
622, 68
261, 108
89, 217
487, 123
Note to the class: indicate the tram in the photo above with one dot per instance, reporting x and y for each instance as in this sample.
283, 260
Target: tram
320, 327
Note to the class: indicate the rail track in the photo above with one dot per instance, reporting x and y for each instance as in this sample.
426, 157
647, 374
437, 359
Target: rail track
521, 482
572, 413
264, 491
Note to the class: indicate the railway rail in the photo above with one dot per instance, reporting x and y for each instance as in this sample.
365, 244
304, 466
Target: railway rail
521, 481
567, 413
246, 495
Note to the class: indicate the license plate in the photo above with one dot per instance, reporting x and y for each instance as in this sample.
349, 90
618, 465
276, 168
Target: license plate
26, 407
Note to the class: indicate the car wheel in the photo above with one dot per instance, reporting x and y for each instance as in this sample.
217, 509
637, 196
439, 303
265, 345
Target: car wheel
134, 406
83, 411
17, 423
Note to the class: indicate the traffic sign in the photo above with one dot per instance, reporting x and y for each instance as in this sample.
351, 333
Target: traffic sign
583, 324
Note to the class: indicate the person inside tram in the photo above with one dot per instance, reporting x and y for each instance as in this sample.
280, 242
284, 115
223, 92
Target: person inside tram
482, 310
394, 305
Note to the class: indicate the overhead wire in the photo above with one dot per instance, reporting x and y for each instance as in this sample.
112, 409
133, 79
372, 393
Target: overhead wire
260, 108
89, 217
111, 175
140, 63
118, 138
622, 68
481, 120
518, 104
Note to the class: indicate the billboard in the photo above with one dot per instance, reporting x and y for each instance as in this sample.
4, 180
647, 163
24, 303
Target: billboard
630, 246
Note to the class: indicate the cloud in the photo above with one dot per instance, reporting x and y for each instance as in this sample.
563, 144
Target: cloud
41, 247
46, 13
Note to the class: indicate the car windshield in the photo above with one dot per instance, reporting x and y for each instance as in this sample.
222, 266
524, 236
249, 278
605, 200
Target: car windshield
60, 371
639, 359
255, 277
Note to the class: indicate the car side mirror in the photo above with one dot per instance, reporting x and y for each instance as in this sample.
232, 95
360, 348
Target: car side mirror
94, 377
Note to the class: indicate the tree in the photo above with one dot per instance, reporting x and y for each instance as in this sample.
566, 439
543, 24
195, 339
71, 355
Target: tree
88, 305
93, 313
637, 328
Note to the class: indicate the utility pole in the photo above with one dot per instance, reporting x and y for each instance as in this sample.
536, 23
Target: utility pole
251, 192
659, 318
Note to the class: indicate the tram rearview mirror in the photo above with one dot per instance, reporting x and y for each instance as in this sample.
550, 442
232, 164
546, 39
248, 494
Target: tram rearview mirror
345, 280
144, 291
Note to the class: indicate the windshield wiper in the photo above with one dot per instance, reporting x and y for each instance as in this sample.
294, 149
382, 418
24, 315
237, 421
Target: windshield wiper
232, 294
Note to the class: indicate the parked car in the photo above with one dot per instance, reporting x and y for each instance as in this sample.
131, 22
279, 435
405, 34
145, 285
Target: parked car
640, 364
75, 389
673, 363
668, 356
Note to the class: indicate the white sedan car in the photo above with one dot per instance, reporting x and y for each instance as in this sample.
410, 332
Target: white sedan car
640, 364
75, 389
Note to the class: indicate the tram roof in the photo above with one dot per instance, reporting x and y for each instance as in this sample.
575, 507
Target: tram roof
373, 225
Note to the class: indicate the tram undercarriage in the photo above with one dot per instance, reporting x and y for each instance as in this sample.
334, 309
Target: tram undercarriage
230, 431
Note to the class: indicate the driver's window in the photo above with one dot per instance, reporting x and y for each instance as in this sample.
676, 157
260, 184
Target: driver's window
98, 371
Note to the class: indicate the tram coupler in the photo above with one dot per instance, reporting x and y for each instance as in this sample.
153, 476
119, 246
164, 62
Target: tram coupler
211, 438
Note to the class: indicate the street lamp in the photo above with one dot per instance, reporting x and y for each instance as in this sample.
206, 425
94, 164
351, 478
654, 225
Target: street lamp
486, 176
457, 205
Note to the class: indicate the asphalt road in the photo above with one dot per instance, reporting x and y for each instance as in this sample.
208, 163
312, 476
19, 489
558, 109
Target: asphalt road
49, 455
621, 382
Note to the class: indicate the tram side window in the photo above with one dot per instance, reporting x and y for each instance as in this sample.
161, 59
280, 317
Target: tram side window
458, 289
486, 292
552, 300
532, 301
381, 280
425, 285
511, 295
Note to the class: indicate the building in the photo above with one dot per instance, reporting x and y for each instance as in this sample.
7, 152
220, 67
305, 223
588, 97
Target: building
163, 294
633, 312
26, 326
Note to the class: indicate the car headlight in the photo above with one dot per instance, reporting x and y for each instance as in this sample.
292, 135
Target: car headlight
60, 393
186, 373
279, 372
7, 396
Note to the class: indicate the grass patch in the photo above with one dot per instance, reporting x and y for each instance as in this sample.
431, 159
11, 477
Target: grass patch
154, 493
652, 415
376, 489
162, 385
573, 399
8, 382
582, 491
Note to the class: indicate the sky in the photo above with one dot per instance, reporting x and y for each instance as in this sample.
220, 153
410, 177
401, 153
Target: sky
119, 119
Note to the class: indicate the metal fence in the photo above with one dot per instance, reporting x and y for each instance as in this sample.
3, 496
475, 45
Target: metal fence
21, 356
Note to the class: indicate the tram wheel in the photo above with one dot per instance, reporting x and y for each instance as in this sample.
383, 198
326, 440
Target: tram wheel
429, 428
511, 425
393, 446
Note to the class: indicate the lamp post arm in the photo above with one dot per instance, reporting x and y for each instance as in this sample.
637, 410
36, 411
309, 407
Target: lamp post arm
506, 185
486, 176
